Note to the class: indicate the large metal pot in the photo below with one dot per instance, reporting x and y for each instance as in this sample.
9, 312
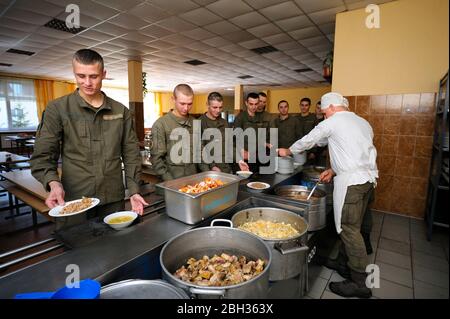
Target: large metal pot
316, 215
217, 240
311, 175
142, 289
288, 255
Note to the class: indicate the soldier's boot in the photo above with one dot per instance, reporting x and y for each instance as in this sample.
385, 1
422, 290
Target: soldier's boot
367, 243
354, 287
340, 265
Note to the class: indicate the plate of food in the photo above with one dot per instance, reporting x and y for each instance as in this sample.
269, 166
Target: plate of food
74, 207
258, 186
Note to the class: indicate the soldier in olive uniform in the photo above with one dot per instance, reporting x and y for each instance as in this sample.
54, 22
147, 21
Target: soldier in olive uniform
94, 135
166, 167
251, 119
212, 119
307, 120
289, 128
265, 116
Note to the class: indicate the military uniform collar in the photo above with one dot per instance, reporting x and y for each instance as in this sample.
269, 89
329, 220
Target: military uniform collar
82, 103
180, 120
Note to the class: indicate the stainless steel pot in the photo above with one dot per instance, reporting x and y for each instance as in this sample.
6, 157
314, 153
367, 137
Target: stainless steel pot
311, 175
316, 215
288, 255
208, 241
142, 289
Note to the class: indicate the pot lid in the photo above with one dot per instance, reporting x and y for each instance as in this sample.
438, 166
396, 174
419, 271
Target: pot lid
142, 289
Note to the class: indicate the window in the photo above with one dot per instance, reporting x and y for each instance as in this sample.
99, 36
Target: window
151, 109
118, 94
18, 109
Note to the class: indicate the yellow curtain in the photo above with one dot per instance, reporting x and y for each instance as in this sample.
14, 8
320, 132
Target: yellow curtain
158, 103
44, 93
62, 88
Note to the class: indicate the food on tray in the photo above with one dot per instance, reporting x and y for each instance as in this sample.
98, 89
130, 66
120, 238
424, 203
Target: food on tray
77, 206
269, 229
223, 270
120, 219
205, 185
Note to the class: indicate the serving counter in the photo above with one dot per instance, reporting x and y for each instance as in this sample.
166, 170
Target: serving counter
109, 256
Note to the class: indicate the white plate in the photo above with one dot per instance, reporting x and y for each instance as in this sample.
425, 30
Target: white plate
250, 185
55, 211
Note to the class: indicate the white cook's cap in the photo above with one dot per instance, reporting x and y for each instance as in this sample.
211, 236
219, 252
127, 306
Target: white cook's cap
333, 98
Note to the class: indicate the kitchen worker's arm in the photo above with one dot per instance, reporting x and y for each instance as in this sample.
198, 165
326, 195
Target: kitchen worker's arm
44, 161
132, 163
317, 135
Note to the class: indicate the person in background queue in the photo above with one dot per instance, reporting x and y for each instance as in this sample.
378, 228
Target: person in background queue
250, 119
212, 119
94, 135
353, 165
288, 126
261, 110
178, 117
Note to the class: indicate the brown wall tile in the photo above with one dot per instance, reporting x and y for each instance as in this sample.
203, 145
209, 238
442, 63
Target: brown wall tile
386, 164
394, 104
425, 125
378, 104
421, 166
427, 103
424, 146
403, 126
377, 123
408, 125
378, 142
404, 166
419, 187
410, 103
351, 103
363, 105
392, 124
406, 145
390, 145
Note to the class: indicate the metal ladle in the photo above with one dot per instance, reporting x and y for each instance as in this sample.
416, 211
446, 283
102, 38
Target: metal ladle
312, 191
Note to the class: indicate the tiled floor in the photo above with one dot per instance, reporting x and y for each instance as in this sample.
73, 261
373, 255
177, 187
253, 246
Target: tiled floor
410, 266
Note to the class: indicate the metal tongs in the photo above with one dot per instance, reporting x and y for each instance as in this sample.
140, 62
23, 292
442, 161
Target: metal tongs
312, 191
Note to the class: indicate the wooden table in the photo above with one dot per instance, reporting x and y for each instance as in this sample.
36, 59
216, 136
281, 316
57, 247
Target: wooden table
13, 159
30, 191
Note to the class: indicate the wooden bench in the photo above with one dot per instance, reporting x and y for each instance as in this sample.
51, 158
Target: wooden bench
36, 204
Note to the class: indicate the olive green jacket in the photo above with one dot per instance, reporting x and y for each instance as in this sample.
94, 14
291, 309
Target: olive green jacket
163, 165
307, 123
93, 144
289, 130
220, 124
244, 121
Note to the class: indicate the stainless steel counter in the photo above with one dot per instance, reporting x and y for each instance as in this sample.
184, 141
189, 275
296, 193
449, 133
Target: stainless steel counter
106, 258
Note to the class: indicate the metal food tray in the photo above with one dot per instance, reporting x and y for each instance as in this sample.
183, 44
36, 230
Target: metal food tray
193, 208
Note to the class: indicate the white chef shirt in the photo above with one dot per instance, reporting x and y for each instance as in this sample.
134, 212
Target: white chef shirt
352, 153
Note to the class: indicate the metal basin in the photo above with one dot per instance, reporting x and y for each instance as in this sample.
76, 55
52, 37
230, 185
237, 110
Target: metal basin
288, 254
216, 240
316, 215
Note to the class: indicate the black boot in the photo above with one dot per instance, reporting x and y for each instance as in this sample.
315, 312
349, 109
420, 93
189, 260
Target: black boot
354, 287
367, 243
340, 265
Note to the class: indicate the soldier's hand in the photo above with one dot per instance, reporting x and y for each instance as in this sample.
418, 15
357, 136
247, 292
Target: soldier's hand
327, 176
56, 196
137, 204
243, 166
216, 169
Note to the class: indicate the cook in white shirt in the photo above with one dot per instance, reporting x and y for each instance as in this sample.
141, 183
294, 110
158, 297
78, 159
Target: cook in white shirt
353, 162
